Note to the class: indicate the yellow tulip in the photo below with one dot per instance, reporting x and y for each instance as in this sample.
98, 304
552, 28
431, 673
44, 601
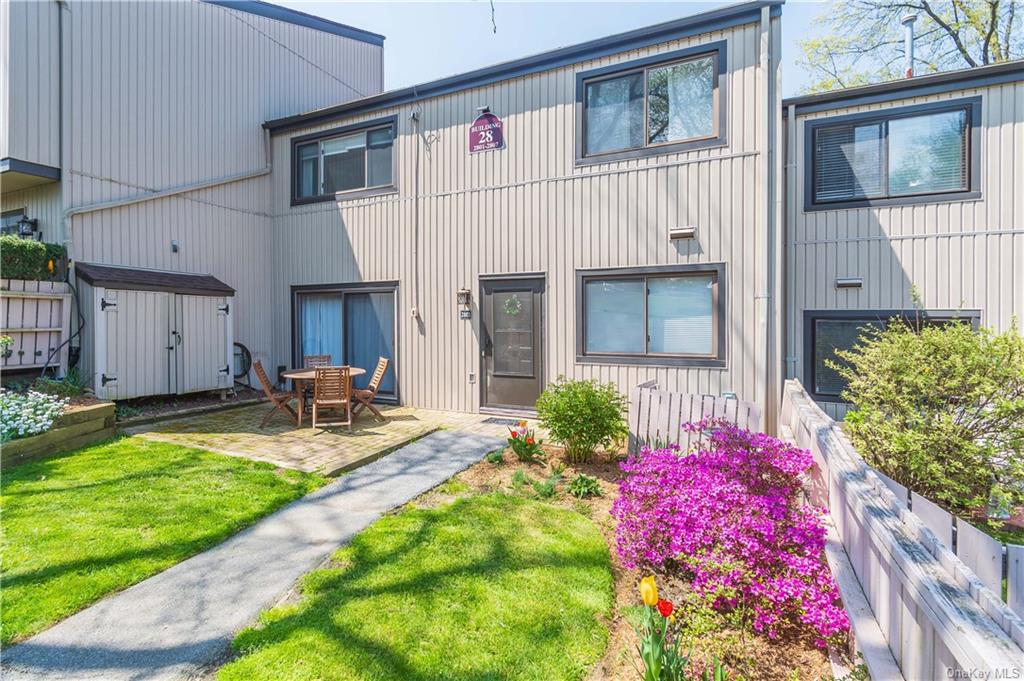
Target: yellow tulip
649, 591
522, 424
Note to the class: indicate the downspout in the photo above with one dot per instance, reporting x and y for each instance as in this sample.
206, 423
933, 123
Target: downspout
767, 297
414, 119
789, 361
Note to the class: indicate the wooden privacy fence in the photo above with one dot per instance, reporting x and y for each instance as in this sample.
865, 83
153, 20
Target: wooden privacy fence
929, 616
656, 416
37, 317
993, 562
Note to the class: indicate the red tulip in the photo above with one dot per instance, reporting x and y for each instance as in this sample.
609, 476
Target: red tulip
529, 440
665, 607
514, 435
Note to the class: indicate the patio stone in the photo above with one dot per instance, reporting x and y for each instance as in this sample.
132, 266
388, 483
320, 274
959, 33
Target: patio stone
330, 451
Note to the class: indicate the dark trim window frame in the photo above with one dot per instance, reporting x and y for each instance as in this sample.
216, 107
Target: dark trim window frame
9, 220
971, 106
392, 287
366, 127
715, 359
879, 317
718, 137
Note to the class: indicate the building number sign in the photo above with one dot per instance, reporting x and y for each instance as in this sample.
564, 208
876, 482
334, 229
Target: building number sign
487, 133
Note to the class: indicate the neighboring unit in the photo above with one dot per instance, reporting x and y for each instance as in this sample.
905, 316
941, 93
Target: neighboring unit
131, 132
487, 274
902, 186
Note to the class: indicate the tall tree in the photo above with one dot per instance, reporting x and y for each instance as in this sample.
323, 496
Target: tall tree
863, 39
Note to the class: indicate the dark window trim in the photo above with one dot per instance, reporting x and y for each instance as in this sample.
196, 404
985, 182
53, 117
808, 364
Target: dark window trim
720, 309
351, 287
972, 105
812, 316
717, 49
365, 192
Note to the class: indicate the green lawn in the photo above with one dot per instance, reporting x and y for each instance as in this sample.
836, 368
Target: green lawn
489, 587
81, 525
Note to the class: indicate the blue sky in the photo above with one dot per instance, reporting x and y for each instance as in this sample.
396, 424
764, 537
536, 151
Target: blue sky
428, 40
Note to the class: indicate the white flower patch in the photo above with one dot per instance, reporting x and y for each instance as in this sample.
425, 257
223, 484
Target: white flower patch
28, 413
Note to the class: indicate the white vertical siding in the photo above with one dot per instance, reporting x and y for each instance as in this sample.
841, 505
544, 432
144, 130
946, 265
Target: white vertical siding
958, 255
163, 95
528, 208
29, 92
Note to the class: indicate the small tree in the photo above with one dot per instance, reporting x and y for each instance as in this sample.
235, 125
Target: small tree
940, 409
582, 416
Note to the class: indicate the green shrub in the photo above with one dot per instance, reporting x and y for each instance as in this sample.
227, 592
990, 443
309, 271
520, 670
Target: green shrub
496, 457
72, 384
28, 259
549, 488
583, 486
940, 409
582, 416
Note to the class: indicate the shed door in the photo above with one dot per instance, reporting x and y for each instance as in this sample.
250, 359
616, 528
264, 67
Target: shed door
201, 360
138, 342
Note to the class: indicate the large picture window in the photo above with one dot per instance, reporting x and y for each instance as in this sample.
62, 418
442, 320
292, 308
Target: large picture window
655, 315
653, 105
826, 331
926, 152
353, 160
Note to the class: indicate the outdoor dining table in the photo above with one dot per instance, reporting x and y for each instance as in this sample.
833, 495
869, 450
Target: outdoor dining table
300, 377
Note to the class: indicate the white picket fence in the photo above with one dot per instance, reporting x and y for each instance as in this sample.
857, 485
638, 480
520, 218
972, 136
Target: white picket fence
37, 317
656, 416
929, 614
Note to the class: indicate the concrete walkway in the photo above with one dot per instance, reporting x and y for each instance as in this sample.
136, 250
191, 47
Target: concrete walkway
177, 623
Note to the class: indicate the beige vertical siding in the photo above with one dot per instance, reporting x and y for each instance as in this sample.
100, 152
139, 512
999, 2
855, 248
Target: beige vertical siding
961, 254
42, 203
528, 208
29, 92
167, 95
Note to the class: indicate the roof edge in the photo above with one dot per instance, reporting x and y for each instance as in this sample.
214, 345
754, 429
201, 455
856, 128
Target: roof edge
705, 22
993, 74
294, 16
124, 277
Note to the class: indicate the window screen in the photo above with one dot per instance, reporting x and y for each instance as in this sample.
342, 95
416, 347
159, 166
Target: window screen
831, 335
615, 113
358, 160
892, 157
680, 101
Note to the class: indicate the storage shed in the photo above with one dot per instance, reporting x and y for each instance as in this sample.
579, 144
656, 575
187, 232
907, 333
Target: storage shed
154, 332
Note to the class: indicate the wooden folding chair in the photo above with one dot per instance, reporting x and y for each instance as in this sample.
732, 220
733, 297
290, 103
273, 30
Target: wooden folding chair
365, 398
311, 362
332, 389
279, 401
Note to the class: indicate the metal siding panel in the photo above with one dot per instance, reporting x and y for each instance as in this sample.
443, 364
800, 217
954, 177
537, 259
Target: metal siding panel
528, 208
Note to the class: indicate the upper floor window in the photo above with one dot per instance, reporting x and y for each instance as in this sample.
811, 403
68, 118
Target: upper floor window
668, 102
912, 154
351, 159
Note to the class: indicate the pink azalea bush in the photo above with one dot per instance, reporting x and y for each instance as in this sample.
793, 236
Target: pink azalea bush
729, 515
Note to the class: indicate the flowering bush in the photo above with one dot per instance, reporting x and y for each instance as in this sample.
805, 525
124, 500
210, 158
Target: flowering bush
30, 413
523, 442
730, 516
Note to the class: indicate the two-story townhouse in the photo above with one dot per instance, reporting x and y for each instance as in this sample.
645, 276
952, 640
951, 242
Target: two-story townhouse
132, 133
910, 185
622, 227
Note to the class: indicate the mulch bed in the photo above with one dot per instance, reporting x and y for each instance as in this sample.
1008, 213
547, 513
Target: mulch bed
793, 656
149, 407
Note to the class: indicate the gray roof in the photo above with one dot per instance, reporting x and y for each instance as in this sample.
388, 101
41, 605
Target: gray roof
138, 279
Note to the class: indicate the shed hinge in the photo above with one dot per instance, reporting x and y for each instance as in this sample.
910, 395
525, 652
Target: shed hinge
104, 379
104, 304
225, 370
225, 308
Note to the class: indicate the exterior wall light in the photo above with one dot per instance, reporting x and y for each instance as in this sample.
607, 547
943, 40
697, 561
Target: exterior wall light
463, 297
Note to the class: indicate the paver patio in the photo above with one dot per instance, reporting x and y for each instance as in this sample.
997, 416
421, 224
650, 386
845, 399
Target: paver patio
236, 432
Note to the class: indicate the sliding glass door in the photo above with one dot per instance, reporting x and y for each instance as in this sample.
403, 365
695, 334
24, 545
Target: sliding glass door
354, 326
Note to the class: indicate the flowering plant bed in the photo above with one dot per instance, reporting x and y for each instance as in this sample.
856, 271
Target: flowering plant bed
705, 634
